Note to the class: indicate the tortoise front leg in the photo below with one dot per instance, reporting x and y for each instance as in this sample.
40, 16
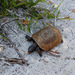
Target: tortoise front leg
39, 51
29, 38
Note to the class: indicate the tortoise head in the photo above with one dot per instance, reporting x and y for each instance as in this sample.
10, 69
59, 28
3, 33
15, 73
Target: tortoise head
32, 48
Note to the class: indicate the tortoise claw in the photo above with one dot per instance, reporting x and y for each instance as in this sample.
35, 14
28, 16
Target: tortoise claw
61, 41
29, 53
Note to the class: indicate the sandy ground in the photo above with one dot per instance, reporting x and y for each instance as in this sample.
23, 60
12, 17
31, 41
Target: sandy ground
47, 64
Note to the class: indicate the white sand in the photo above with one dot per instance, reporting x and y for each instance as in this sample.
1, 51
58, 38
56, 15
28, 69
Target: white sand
47, 64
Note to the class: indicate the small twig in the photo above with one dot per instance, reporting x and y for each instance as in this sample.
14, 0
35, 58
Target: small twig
11, 21
12, 30
15, 48
39, 8
39, 13
12, 44
54, 55
11, 12
18, 18
7, 22
13, 60
53, 52
70, 58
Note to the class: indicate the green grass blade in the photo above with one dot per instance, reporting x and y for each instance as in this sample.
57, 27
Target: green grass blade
57, 7
29, 28
58, 14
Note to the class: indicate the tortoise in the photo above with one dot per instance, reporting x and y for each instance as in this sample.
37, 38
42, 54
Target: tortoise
45, 39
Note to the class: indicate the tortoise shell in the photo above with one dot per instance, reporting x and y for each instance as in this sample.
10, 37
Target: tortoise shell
47, 38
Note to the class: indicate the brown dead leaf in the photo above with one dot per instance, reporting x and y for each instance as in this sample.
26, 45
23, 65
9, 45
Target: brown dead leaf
67, 17
25, 22
50, 2
73, 10
3, 19
47, 23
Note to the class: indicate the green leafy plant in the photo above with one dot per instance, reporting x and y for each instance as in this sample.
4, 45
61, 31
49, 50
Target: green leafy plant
30, 11
6, 4
57, 7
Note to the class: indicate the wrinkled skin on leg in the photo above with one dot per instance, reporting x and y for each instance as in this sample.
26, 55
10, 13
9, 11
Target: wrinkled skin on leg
39, 51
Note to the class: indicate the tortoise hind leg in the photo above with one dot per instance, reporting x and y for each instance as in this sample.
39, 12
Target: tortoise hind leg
39, 51
29, 38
